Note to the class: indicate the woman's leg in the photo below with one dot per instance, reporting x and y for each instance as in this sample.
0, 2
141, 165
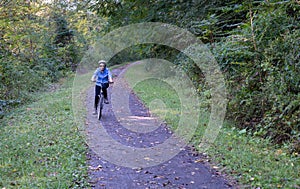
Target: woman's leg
104, 89
97, 92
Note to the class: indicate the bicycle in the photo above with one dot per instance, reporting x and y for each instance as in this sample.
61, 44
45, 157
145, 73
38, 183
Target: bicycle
100, 104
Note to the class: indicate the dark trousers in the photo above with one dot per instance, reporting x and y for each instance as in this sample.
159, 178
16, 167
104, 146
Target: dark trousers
97, 92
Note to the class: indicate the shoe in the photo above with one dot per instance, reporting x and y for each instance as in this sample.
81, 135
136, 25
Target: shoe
95, 112
106, 101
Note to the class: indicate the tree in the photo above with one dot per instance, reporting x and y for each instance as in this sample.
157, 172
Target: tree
39, 44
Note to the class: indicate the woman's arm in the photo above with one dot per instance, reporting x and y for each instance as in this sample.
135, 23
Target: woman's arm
93, 79
110, 80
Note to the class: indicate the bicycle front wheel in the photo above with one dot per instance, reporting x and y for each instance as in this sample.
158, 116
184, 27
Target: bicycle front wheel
101, 107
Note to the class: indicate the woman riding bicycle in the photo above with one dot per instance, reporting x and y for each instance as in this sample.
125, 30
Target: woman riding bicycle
102, 77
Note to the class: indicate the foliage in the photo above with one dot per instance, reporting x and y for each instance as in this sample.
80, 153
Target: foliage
263, 56
39, 45
20, 30
256, 44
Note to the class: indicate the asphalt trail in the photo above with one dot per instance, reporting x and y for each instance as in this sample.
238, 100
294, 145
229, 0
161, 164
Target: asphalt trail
186, 170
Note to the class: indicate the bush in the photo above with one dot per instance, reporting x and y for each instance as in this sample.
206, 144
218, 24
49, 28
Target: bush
263, 73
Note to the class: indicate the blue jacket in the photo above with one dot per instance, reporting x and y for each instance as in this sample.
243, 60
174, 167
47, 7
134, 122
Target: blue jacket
102, 77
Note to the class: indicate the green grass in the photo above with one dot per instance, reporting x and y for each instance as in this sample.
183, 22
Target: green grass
154, 89
40, 144
252, 161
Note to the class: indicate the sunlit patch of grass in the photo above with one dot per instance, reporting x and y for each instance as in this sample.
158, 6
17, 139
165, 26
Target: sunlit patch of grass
153, 89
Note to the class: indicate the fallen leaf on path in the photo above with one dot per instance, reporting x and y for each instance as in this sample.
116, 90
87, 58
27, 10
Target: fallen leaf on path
158, 176
166, 183
198, 160
148, 159
96, 168
138, 170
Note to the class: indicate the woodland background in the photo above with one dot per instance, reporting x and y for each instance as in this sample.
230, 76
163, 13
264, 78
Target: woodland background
256, 44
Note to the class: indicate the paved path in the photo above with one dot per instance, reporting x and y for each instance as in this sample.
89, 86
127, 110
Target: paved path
185, 170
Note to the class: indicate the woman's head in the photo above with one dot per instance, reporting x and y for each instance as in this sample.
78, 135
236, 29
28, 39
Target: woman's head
102, 64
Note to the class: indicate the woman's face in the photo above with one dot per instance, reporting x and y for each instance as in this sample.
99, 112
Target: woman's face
101, 66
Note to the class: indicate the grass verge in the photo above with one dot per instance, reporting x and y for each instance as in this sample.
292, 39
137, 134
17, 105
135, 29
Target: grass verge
40, 144
252, 161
